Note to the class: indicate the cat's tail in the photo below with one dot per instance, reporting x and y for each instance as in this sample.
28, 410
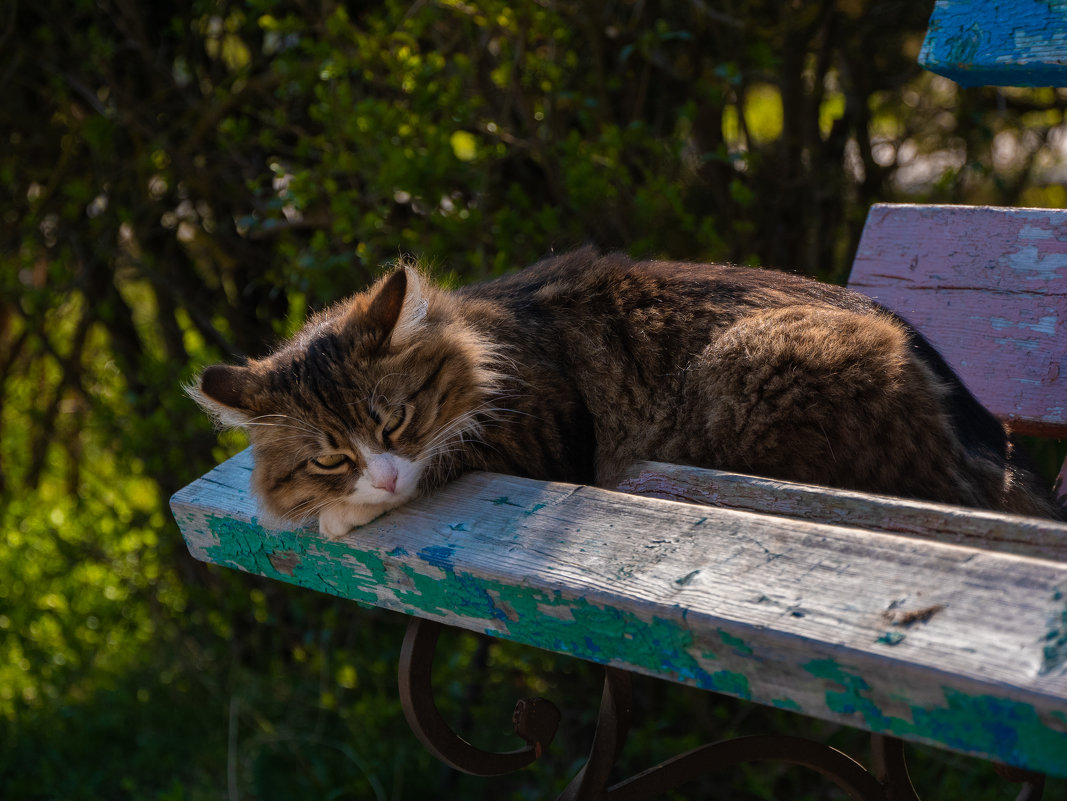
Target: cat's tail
999, 463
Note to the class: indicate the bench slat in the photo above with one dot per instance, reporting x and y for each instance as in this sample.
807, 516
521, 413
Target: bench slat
927, 641
988, 288
1006, 43
1027, 536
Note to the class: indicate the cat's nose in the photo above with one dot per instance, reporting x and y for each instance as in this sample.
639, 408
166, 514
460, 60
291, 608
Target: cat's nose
386, 480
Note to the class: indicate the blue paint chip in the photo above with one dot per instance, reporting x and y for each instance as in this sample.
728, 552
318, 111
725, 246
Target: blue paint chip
398, 551
504, 500
681, 582
891, 638
438, 556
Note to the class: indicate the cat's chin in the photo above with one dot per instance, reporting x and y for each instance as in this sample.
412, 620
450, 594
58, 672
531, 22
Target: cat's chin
340, 518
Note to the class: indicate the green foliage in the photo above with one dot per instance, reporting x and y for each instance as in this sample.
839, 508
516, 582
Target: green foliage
182, 181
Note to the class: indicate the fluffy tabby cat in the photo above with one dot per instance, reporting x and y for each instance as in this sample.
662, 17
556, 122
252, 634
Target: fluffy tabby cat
577, 366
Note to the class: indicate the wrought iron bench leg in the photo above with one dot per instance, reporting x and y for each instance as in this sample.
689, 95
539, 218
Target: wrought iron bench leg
888, 764
536, 720
612, 726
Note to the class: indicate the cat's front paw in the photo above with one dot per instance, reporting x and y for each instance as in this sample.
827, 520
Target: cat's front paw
337, 520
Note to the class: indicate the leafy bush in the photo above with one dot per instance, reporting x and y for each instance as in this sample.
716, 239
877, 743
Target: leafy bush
182, 181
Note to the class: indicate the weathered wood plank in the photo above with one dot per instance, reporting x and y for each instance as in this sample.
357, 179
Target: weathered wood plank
988, 288
1025, 536
931, 642
999, 43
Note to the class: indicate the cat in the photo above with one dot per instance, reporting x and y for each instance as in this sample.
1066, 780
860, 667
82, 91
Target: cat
574, 368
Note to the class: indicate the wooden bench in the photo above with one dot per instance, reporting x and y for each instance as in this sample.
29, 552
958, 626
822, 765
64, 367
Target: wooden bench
920, 621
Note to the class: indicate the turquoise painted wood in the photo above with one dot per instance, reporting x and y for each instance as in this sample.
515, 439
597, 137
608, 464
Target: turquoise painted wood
938, 643
998, 42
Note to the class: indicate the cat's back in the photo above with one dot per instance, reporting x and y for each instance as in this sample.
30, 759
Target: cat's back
595, 285
746, 369
632, 324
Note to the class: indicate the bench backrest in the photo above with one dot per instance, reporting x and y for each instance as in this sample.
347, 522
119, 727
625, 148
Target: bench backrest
1007, 43
988, 288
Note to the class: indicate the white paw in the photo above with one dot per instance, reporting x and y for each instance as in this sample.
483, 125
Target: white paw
337, 520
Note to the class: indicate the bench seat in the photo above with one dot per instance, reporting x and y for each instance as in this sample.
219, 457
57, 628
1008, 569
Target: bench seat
912, 633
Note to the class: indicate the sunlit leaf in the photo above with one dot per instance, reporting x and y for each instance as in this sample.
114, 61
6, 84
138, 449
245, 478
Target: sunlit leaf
464, 145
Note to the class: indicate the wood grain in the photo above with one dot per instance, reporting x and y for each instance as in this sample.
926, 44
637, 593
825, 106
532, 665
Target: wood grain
1025, 536
997, 42
928, 641
988, 288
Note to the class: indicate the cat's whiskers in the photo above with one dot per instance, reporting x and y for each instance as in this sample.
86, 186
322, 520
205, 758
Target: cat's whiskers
374, 391
491, 410
373, 394
303, 425
465, 428
281, 425
456, 438
495, 398
497, 364
307, 509
457, 444
297, 437
294, 433
460, 425
297, 444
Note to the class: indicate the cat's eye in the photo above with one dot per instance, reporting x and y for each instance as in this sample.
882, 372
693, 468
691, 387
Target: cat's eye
330, 461
394, 420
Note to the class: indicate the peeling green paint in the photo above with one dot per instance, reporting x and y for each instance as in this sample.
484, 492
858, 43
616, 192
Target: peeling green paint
430, 585
1054, 648
1002, 729
656, 645
732, 683
786, 703
739, 645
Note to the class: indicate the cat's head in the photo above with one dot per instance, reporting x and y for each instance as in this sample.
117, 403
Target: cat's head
347, 417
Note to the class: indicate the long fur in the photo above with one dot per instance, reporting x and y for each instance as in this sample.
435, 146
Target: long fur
575, 367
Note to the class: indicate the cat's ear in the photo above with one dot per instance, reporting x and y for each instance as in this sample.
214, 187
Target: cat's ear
226, 392
398, 307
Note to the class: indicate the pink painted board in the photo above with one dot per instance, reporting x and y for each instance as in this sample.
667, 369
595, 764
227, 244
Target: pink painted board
988, 287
